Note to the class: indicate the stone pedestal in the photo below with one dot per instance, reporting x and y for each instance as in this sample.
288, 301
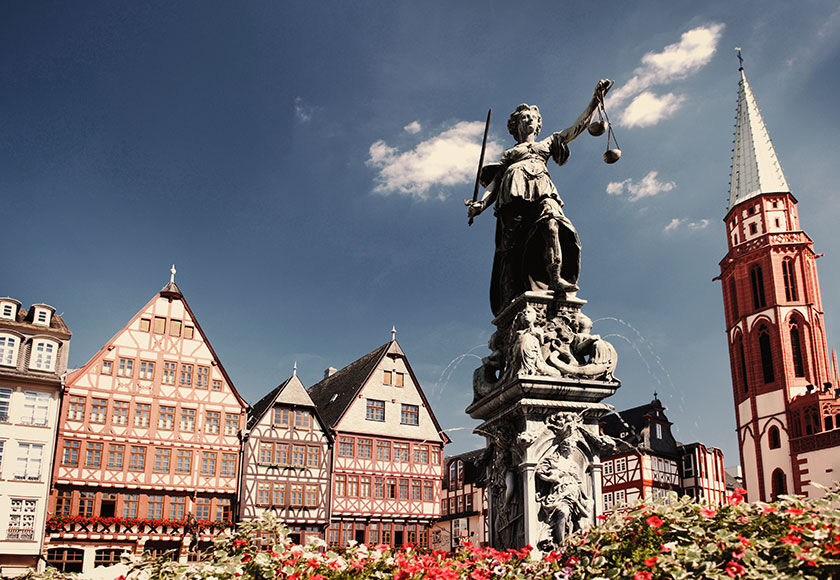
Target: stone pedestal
540, 403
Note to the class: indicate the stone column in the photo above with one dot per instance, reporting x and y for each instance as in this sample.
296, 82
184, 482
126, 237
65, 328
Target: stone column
531, 509
596, 486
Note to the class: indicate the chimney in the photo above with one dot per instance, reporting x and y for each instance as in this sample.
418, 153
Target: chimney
330, 372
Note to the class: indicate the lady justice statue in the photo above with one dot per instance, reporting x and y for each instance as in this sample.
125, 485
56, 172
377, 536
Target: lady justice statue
537, 247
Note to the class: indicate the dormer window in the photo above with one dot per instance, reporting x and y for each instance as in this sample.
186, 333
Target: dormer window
43, 355
41, 316
8, 309
658, 430
8, 350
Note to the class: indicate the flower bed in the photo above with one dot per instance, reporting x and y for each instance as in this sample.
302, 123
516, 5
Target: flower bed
791, 538
61, 523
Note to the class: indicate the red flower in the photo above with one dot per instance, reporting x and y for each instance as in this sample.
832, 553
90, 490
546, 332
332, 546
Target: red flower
246, 558
738, 554
734, 569
744, 520
790, 539
744, 542
642, 576
709, 512
795, 511
741, 490
651, 561
663, 548
736, 498
551, 557
768, 509
654, 521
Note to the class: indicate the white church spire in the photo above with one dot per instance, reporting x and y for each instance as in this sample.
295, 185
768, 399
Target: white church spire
755, 167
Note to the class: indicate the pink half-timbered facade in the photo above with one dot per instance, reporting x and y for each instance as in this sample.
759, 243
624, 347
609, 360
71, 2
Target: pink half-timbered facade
148, 443
286, 462
387, 458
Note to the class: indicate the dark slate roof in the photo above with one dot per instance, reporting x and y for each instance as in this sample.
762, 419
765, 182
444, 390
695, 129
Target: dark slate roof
256, 412
475, 463
170, 288
632, 427
345, 385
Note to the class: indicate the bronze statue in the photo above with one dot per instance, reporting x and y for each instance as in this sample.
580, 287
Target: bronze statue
537, 247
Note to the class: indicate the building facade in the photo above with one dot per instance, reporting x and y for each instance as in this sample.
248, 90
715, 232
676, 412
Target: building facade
783, 388
387, 461
34, 345
286, 462
463, 507
148, 443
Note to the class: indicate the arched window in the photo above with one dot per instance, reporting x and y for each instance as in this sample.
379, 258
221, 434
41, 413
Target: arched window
742, 362
779, 483
796, 351
766, 354
790, 280
43, 355
8, 350
774, 438
757, 281
733, 297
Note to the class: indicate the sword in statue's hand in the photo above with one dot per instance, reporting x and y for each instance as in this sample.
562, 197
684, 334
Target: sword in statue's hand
480, 162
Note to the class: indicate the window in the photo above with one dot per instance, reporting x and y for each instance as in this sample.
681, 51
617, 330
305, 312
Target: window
5, 401
119, 416
299, 455
43, 355
169, 372
387, 377
390, 488
154, 510
421, 454
345, 447
303, 419
184, 463
174, 328
115, 456
364, 487
403, 489
98, 410
86, 499
364, 448
779, 483
742, 360
107, 367
796, 351
66, 559
166, 418
416, 490
428, 491
231, 424
378, 488
28, 464
8, 311
76, 408
188, 420
189, 331
125, 367
278, 492
340, 485
733, 297
160, 325
147, 370
688, 466
228, 465
22, 519
223, 510
658, 430
177, 508
107, 557
281, 416
162, 458
36, 405
789, 276
311, 496
774, 438
217, 385
211, 422
263, 493
281, 453
296, 494
399, 379
202, 378
141, 414
435, 455
757, 282
186, 375
63, 502
208, 463
131, 503
401, 452
93, 455
145, 324
8, 350
620, 464
375, 410
766, 354
410, 415
266, 453
383, 450
352, 486
137, 459
70, 456
313, 456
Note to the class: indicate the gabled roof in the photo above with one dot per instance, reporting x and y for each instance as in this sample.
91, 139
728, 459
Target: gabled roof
632, 426
755, 167
291, 392
334, 394
475, 463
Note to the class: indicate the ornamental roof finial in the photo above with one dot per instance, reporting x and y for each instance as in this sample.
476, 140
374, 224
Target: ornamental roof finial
172, 271
393, 333
294, 370
740, 58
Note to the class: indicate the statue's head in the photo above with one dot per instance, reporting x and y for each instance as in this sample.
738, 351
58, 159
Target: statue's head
524, 113
584, 323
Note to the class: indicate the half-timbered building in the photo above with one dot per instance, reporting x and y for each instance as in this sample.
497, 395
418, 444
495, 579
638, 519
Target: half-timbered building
148, 443
33, 357
387, 462
286, 462
463, 507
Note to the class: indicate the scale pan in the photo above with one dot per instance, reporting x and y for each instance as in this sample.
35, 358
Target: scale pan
612, 155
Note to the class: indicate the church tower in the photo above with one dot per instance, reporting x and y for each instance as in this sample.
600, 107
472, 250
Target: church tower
783, 386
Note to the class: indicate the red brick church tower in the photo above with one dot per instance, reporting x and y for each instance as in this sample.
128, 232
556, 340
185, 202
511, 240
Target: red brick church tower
786, 409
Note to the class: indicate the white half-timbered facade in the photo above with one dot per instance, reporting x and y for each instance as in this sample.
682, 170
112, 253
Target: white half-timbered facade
286, 462
387, 459
148, 444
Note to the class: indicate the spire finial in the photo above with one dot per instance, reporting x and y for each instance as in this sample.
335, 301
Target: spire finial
172, 271
740, 58
294, 370
393, 333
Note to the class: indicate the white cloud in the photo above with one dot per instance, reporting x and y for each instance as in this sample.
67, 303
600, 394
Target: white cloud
647, 187
303, 112
648, 109
679, 223
445, 160
413, 127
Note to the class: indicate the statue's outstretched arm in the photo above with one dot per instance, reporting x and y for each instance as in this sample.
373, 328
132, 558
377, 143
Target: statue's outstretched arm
582, 122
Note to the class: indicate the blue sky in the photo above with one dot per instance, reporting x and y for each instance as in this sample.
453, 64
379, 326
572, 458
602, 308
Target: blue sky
304, 165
